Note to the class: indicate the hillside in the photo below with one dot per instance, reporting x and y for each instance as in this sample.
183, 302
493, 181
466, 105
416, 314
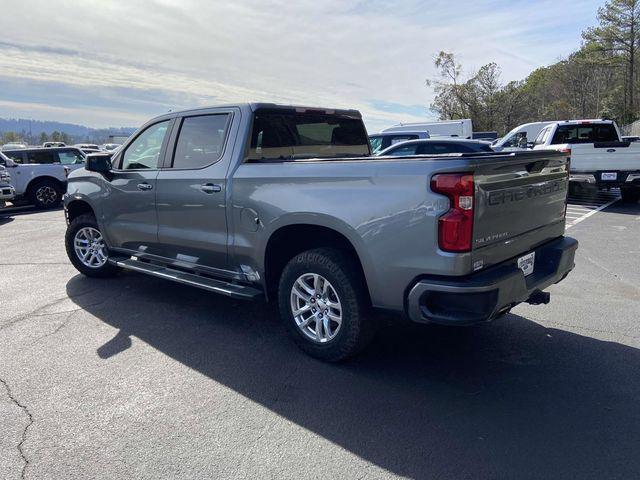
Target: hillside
31, 130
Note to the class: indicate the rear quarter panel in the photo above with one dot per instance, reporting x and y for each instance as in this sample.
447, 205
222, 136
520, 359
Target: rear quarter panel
384, 208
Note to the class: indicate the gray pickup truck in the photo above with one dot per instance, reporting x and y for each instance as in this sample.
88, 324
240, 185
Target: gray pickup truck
260, 201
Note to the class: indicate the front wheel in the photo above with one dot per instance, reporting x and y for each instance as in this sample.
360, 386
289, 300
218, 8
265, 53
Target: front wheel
324, 304
86, 248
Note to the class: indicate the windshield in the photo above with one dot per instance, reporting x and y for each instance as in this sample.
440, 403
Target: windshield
291, 135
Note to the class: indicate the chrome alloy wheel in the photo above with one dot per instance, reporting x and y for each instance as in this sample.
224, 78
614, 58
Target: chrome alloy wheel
89, 247
316, 307
46, 195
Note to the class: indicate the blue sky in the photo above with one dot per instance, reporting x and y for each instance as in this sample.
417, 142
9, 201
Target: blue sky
111, 63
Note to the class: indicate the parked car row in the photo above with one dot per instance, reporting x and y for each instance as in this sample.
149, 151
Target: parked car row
85, 147
600, 157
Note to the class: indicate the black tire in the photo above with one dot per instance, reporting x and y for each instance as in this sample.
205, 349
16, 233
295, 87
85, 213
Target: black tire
45, 193
630, 195
82, 221
340, 269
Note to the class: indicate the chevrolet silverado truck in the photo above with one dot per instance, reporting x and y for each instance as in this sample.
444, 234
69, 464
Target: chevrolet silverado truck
599, 157
39, 175
260, 201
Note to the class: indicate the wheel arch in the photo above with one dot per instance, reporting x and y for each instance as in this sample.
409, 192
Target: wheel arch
290, 239
75, 208
42, 178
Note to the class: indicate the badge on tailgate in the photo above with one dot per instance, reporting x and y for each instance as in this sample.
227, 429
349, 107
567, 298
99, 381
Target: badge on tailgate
526, 263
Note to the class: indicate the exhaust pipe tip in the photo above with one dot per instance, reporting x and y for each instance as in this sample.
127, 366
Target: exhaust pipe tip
539, 298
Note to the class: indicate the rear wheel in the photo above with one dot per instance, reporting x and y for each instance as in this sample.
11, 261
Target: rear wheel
86, 248
45, 194
630, 194
324, 304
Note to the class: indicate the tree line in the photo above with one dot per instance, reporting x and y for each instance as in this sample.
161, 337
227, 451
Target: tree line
599, 80
24, 137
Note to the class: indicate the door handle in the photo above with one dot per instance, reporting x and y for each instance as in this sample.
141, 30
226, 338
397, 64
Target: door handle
611, 150
210, 188
144, 186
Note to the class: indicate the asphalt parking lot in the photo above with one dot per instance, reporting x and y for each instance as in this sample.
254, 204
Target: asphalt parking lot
133, 377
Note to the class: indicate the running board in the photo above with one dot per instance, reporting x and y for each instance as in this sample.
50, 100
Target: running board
233, 290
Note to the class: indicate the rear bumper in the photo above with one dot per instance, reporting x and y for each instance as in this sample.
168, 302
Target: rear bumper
488, 294
623, 178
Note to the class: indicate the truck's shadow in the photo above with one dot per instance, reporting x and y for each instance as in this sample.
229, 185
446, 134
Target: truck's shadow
508, 400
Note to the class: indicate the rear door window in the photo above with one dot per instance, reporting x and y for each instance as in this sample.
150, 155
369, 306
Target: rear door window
41, 156
201, 141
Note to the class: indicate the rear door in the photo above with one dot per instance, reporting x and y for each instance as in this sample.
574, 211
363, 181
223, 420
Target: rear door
192, 186
129, 208
520, 203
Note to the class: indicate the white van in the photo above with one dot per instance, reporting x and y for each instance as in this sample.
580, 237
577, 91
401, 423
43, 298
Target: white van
447, 128
518, 138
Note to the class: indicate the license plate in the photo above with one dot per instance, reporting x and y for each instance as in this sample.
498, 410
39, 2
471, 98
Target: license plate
526, 263
609, 176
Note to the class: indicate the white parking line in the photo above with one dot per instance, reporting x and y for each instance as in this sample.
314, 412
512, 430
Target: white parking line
582, 206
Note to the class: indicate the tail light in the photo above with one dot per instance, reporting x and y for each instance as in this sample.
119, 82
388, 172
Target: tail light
455, 227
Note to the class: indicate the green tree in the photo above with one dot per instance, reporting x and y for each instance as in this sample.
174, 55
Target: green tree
43, 138
618, 33
8, 137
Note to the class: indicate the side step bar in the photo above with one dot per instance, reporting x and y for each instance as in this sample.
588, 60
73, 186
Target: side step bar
233, 290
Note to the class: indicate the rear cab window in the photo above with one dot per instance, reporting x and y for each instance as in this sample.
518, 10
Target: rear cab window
283, 134
585, 133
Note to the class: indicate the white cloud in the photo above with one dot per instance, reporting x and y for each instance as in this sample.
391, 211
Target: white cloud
331, 53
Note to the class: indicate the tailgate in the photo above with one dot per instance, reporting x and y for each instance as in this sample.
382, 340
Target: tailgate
591, 157
520, 203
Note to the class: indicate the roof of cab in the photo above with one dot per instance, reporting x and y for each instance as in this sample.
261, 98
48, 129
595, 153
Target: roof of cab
255, 106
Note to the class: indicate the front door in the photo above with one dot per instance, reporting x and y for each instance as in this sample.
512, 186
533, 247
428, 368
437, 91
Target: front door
191, 189
130, 220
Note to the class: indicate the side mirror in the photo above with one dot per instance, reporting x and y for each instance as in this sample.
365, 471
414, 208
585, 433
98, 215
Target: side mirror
10, 163
98, 162
530, 144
